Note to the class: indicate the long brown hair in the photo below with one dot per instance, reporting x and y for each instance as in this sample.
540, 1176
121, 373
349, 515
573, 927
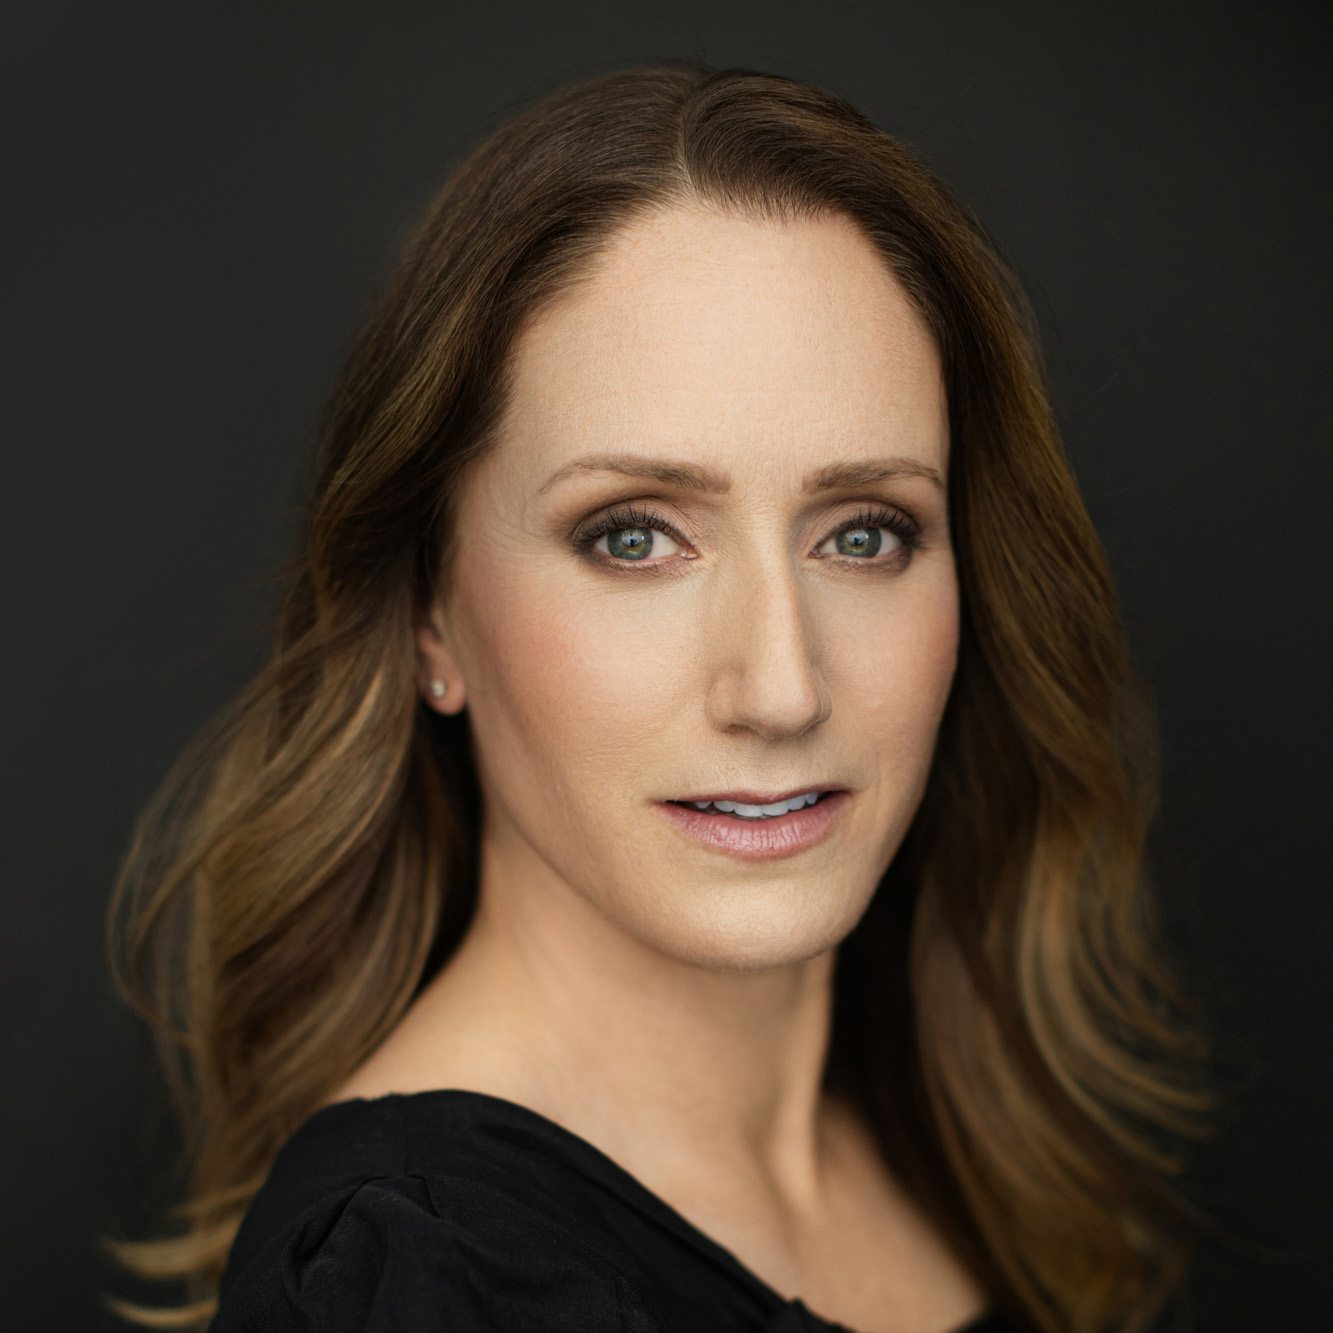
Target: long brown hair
1001, 1011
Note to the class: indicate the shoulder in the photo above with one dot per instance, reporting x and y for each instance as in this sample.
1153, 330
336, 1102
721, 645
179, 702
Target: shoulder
366, 1222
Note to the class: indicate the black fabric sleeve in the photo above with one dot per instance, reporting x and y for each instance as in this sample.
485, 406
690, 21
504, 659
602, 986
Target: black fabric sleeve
385, 1258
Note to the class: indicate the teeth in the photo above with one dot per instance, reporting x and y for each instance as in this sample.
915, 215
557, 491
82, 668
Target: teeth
759, 811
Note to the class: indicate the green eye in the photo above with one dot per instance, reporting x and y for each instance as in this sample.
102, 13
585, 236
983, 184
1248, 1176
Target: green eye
637, 543
865, 542
632, 543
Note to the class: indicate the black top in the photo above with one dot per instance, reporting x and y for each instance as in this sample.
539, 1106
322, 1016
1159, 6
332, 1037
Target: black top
459, 1211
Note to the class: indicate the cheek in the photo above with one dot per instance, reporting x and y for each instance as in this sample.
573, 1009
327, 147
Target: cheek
569, 683
895, 668
576, 692
609, 671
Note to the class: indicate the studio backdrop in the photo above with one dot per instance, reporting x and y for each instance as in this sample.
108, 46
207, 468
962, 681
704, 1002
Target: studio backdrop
202, 199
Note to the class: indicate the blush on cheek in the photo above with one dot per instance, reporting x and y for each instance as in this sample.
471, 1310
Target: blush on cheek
939, 662
615, 665
897, 676
576, 683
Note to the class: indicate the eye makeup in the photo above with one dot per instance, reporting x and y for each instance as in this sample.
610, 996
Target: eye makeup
890, 518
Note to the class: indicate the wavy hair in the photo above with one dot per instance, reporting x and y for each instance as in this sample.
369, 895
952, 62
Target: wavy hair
1002, 1012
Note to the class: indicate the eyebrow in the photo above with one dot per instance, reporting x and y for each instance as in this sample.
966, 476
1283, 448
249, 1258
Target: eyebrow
694, 477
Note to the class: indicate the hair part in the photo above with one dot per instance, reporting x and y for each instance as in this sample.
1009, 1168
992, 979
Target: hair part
1002, 1012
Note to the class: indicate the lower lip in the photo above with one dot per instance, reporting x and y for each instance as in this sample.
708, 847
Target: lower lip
760, 839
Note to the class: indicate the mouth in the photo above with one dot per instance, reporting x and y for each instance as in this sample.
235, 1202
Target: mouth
756, 806
759, 825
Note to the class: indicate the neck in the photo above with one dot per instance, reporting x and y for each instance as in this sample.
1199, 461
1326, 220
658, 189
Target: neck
671, 1067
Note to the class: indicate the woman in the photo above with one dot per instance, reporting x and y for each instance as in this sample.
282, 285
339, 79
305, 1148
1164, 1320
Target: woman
680, 869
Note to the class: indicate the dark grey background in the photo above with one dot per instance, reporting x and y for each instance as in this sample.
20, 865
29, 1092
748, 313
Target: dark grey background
203, 198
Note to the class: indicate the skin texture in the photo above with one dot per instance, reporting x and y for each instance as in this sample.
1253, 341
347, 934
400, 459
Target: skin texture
668, 1001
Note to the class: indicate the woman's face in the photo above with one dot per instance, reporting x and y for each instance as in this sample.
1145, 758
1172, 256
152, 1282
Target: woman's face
709, 557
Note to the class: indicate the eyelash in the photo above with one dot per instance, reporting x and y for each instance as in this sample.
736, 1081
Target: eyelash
904, 528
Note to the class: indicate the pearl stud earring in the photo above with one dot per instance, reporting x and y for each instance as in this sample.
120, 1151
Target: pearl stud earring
437, 688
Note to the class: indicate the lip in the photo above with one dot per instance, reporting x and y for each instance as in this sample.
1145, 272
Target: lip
760, 839
755, 798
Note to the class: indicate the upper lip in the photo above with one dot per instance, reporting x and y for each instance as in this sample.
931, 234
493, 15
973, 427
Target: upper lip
758, 798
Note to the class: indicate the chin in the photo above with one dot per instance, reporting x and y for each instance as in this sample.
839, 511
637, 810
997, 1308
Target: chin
778, 926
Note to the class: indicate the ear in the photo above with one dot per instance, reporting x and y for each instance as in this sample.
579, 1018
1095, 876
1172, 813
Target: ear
436, 666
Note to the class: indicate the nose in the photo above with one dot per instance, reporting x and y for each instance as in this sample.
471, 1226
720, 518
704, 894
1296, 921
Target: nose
765, 677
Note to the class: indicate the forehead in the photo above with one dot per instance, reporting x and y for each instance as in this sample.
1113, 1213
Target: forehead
741, 341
